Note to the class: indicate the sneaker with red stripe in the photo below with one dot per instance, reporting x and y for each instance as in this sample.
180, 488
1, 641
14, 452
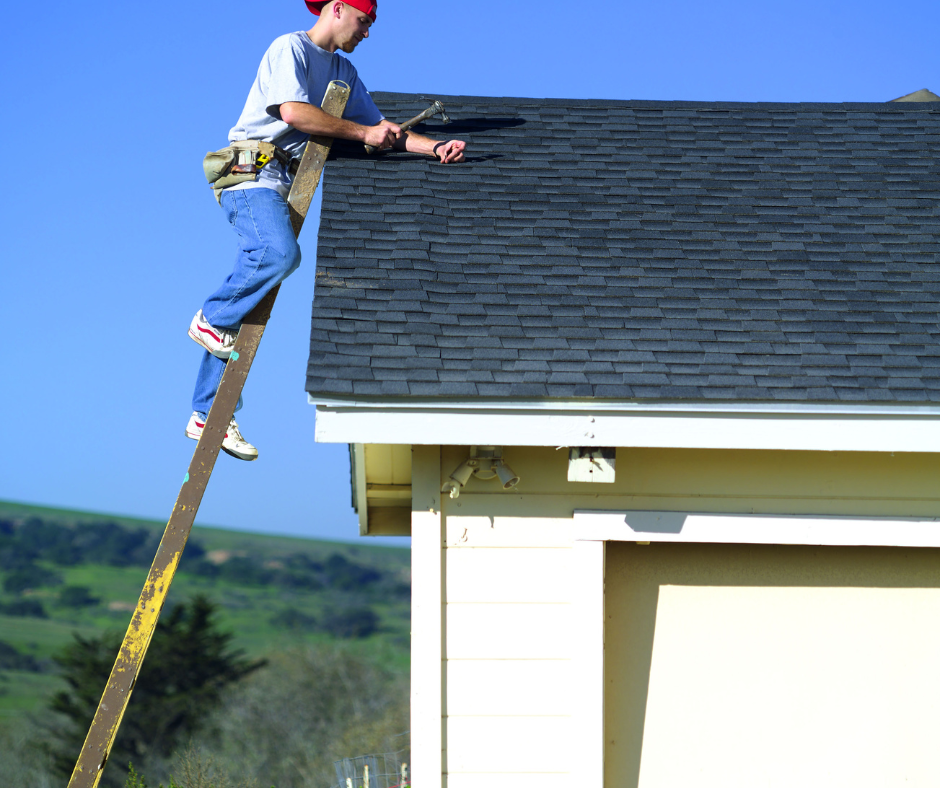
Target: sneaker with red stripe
233, 443
218, 341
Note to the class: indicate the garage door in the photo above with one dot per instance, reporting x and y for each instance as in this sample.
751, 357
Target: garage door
759, 665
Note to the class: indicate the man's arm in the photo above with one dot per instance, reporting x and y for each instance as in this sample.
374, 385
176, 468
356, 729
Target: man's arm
313, 120
449, 152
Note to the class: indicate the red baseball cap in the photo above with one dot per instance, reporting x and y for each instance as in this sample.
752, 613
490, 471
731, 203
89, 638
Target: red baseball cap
366, 6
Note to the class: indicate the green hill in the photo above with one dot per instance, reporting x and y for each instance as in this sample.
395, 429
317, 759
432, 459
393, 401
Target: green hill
65, 572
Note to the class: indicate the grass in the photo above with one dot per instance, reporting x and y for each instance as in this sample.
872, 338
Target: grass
244, 610
21, 692
41, 636
215, 538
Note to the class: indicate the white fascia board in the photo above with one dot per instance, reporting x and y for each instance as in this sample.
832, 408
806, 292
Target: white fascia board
645, 527
787, 427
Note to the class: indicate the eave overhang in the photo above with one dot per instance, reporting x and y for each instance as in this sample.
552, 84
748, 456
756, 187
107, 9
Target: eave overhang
681, 425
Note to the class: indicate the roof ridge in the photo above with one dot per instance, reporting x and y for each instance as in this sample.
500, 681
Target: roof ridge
868, 106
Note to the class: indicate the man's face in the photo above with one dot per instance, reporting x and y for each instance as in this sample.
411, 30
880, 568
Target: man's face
354, 26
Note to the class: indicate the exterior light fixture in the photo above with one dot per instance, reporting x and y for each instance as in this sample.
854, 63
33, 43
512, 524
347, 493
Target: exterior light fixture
484, 462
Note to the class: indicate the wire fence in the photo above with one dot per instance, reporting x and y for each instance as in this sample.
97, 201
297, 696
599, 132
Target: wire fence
386, 770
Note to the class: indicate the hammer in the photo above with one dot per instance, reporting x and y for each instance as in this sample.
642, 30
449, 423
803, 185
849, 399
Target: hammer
435, 109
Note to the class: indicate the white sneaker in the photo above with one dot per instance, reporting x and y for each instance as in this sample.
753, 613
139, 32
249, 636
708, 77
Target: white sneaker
233, 443
218, 341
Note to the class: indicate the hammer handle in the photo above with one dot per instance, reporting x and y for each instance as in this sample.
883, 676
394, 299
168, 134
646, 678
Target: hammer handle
432, 110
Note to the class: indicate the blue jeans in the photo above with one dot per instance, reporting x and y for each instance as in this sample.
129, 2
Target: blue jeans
267, 254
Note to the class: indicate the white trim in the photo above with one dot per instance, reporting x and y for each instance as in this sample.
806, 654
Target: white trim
427, 619
600, 405
588, 646
636, 526
778, 430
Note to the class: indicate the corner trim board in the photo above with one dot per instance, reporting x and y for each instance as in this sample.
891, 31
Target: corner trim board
589, 584
358, 454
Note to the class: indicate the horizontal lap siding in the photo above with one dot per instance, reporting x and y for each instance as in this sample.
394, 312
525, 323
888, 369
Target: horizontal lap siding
508, 688
508, 670
508, 632
512, 576
484, 780
508, 745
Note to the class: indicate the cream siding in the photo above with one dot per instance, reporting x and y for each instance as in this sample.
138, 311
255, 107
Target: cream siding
515, 684
508, 661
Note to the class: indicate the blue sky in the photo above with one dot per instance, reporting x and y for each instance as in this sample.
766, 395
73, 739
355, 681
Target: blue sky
113, 239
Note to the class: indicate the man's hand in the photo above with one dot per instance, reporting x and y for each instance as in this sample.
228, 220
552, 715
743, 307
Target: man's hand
383, 135
450, 152
313, 120
445, 152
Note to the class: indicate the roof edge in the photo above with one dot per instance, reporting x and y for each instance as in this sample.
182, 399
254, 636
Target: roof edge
729, 430
628, 406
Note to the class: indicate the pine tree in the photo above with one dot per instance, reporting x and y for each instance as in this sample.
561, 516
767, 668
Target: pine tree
188, 665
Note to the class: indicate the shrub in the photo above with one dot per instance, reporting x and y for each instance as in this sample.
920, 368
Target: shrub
11, 659
189, 663
351, 622
24, 607
286, 724
30, 576
292, 618
346, 575
77, 596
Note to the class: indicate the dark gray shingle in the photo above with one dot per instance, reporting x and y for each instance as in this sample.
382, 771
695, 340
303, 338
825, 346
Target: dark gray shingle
637, 250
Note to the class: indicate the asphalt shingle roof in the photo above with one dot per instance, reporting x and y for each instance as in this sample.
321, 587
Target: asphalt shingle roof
636, 251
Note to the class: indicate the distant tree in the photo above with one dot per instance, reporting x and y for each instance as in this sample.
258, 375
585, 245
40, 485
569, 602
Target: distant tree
351, 622
77, 596
292, 618
29, 576
11, 659
347, 575
12, 557
41, 535
109, 543
24, 607
201, 567
99, 542
244, 571
193, 554
297, 577
188, 664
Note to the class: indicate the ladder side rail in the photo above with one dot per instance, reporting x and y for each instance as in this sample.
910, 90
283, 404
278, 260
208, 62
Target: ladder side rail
107, 720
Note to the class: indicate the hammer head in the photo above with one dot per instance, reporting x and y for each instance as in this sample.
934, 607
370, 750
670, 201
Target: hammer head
439, 110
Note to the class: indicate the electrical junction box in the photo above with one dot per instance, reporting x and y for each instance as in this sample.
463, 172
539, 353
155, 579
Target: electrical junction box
591, 464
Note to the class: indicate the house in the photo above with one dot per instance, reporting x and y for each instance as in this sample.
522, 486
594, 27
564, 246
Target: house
655, 389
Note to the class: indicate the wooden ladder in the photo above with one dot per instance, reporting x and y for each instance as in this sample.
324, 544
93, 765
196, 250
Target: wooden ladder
117, 692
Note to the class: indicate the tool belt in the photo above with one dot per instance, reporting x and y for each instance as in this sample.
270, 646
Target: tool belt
242, 161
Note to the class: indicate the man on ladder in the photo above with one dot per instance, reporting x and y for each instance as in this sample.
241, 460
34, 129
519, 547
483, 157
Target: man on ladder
282, 109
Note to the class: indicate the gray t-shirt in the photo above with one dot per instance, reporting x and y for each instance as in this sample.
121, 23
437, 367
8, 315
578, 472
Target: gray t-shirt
295, 69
